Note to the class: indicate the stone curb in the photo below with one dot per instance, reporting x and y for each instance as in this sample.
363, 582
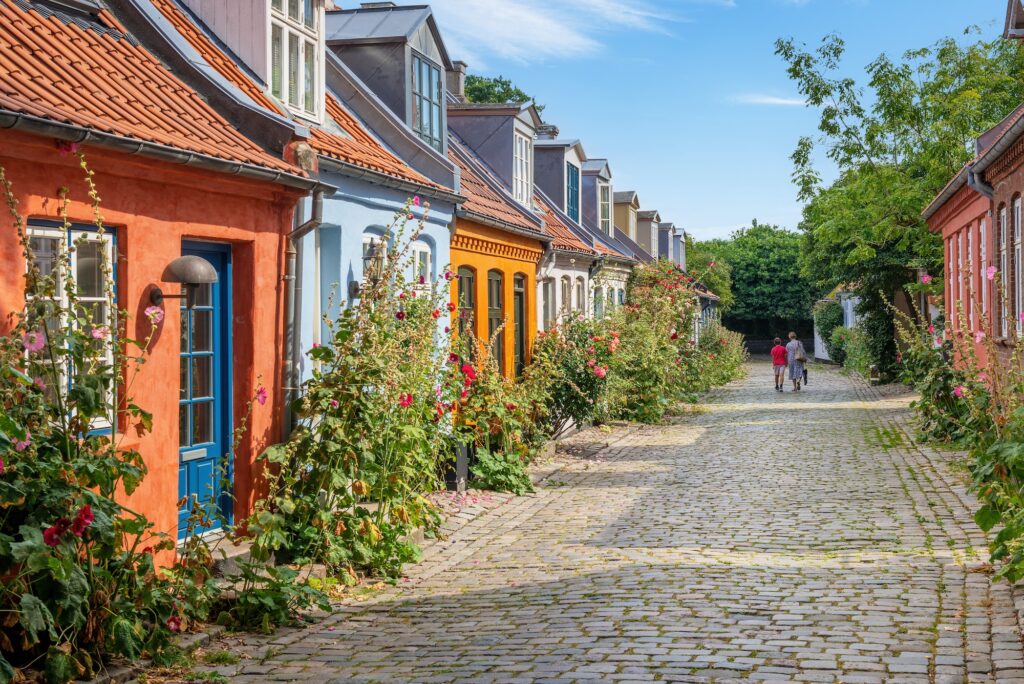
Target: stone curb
126, 673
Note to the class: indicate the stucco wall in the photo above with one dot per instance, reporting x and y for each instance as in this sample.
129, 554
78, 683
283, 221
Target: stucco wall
357, 208
152, 207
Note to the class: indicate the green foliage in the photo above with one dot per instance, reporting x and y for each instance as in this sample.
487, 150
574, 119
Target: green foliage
720, 359
346, 489
78, 580
500, 472
270, 596
828, 316
893, 156
853, 347
766, 279
717, 279
497, 90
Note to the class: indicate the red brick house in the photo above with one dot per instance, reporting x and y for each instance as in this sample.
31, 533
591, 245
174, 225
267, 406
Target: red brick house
176, 176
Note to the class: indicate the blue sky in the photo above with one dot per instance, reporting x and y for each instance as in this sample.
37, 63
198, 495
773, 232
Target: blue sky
686, 97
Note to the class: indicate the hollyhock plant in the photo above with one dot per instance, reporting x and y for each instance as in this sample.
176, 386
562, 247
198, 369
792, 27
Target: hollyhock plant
155, 314
261, 395
33, 341
22, 444
405, 400
990, 272
926, 279
958, 391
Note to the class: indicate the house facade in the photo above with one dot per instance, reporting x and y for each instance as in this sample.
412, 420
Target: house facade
615, 261
499, 239
177, 177
647, 230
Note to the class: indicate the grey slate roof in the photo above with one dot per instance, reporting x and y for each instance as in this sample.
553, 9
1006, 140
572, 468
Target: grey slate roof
648, 214
625, 196
381, 24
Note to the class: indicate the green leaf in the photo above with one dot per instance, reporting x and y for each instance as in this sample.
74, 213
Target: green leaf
60, 667
7, 672
987, 518
35, 617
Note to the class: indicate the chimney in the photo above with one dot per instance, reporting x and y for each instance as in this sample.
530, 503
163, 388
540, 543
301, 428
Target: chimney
547, 132
457, 80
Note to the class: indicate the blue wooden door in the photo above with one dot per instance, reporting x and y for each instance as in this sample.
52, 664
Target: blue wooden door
204, 405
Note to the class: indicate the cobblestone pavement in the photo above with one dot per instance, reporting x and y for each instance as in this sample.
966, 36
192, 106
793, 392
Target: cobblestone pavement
788, 537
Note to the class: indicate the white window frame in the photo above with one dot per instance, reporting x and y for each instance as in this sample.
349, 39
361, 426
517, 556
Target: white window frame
422, 257
632, 223
1004, 279
960, 278
290, 27
522, 169
581, 295
970, 278
1018, 294
436, 142
67, 239
983, 245
565, 294
604, 208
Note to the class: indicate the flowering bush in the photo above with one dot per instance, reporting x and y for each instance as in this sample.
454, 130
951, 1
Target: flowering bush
77, 579
723, 353
375, 425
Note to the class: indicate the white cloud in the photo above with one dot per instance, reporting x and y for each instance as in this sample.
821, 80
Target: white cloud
531, 31
768, 100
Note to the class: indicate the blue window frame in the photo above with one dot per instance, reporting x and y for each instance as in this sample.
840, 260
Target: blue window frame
572, 191
87, 251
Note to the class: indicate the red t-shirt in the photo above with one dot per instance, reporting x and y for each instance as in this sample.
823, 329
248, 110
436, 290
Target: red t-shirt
779, 355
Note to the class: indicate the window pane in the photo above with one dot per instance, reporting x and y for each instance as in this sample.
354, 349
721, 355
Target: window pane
88, 271
276, 4
202, 423
310, 71
309, 14
276, 58
183, 431
293, 68
435, 122
45, 251
202, 376
293, 9
183, 381
203, 295
184, 331
202, 331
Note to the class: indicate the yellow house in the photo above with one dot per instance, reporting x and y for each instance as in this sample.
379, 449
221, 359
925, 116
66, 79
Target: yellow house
627, 204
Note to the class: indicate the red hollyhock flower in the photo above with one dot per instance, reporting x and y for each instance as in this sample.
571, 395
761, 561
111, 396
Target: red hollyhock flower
436, 314
453, 358
469, 372
174, 623
451, 307
82, 520
405, 401
53, 533
400, 315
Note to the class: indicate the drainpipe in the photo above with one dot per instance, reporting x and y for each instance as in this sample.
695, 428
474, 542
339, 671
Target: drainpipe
975, 182
293, 354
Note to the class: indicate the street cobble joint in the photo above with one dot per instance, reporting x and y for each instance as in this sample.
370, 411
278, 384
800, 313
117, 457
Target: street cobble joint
765, 537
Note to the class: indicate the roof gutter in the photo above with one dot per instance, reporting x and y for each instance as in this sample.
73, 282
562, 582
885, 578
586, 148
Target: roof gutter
360, 173
502, 225
78, 134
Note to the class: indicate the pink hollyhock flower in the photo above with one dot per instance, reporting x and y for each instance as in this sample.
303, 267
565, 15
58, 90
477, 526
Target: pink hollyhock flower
155, 314
174, 623
711, 265
40, 383
448, 275
978, 336
447, 329
23, 444
1022, 316
100, 333
82, 520
261, 395
316, 345
931, 329
405, 400
33, 340
423, 280
1, 464
334, 403
958, 391
600, 371
416, 201
66, 147
411, 217
990, 272
982, 376
925, 279
591, 363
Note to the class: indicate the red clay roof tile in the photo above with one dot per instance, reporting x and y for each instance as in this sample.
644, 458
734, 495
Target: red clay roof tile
562, 237
480, 197
68, 73
356, 147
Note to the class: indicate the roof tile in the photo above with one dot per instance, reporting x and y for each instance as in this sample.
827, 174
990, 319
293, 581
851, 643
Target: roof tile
69, 73
562, 237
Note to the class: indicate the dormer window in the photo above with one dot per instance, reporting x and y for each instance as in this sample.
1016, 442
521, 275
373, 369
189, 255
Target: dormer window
522, 170
604, 201
427, 102
632, 224
572, 191
295, 54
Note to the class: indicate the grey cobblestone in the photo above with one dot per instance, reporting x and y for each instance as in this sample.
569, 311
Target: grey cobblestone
793, 537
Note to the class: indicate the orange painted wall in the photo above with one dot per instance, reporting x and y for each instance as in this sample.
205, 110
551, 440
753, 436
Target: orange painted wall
482, 249
153, 206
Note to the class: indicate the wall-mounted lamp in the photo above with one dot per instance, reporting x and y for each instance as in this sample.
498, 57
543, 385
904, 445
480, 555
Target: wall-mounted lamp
373, 266
191, 271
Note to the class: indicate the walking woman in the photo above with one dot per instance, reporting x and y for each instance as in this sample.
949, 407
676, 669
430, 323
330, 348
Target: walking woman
797, 357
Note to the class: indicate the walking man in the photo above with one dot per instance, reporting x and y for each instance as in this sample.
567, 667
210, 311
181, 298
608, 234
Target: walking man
779, 362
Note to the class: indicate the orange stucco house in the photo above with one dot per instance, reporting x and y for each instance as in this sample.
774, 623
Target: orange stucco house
176, 177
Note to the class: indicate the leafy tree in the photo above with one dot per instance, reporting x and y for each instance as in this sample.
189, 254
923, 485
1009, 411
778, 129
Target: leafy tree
717, 279
895, 146
767, 289
498, 90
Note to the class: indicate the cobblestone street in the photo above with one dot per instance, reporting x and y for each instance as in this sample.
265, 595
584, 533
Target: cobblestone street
765, 537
